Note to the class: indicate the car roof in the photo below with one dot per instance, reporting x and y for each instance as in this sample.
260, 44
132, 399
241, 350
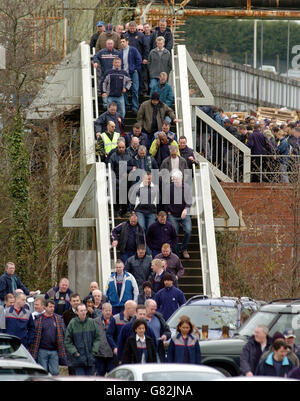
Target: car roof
286, 305
221, 301
169, 367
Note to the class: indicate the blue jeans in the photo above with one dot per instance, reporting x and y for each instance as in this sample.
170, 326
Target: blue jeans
153, 82
145, 220
49, 361
134, 90
84, 370
120, 104
187, 229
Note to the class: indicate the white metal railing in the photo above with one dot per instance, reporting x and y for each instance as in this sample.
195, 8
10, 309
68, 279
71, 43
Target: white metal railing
87, 107
275, 168
228, 157
206, 231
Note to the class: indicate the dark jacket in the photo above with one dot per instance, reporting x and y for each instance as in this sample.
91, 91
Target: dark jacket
138, 40
130, 352
114, 81
134, 60
177, 347
114, 328
266, 367
148, 164
169, 300
167, 35
105, 58
258, 144
143, 139
100, 124
142, 298
186, 153
68, 315
6, 285
140, 268
251, 355
114, 158
54, 294
126, 332
159, 234
173, 262
294, 373
120, 233
20, 325
160, 285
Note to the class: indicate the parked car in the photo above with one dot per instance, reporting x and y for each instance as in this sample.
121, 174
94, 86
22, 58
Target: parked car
215, 313
12, 348
17, 370
164, 372
268, 68
278, 315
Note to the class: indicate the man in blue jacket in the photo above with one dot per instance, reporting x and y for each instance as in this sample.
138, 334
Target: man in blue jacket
277, 363
121, 287
164, 89
114, 84
9, 282
105, 57
161, 232
132, 64
19, 321
170, 298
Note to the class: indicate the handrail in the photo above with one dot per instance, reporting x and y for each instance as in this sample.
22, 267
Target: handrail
206, 231
223, 150
112, 213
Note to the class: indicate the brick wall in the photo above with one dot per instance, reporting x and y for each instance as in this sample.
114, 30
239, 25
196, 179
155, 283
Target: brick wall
268, 212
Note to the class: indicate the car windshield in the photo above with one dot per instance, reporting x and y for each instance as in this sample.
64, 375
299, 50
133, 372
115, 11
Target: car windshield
180, 376
258, 318
215, 317
8, 346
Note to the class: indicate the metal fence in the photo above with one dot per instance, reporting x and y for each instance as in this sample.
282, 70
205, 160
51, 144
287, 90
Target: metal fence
239, 87
275, 168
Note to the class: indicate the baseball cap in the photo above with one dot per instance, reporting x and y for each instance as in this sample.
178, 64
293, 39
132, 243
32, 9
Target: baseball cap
100, 23
289, 333
109, 28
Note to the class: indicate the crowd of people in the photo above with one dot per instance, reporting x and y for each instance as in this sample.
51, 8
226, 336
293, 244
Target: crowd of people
125, 324
273, 144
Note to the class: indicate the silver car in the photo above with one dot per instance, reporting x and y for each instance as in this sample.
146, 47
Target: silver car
165, 372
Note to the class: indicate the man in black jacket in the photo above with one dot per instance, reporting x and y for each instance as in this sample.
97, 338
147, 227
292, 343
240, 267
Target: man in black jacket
128, 236
253, 350
159, 326
165, 32
139, 265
